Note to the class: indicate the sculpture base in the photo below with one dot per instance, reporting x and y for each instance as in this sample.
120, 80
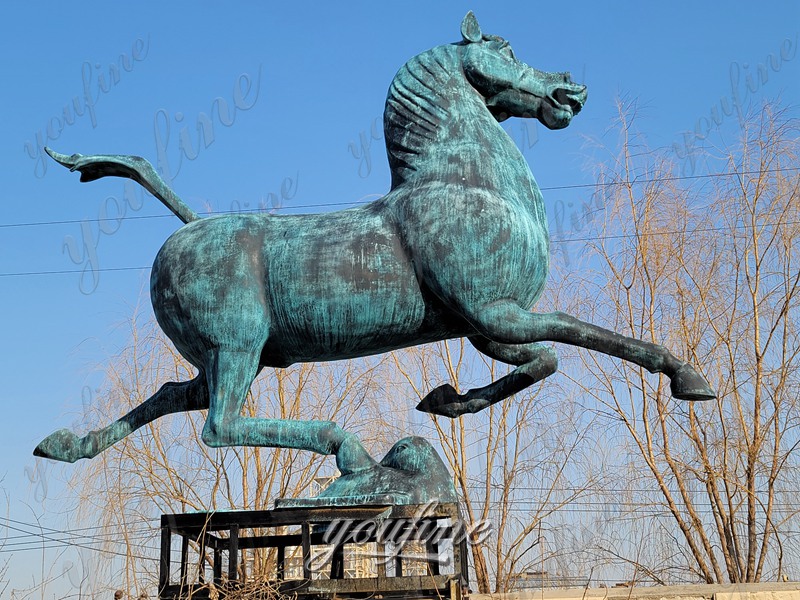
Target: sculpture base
410, 473
403, 551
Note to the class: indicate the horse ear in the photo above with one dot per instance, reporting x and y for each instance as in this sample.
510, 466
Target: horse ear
470, 30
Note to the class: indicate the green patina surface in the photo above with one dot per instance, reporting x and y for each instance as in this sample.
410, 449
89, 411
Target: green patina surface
458, 247
410, 473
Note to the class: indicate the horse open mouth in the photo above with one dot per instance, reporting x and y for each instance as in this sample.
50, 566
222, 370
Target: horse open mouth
513, 103
569, 99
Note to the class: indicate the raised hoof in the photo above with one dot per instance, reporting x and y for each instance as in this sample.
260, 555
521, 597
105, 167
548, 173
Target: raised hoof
439, 400
688, 384
62, 445
445, 401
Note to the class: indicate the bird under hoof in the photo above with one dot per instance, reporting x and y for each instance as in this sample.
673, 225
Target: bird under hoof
411, 473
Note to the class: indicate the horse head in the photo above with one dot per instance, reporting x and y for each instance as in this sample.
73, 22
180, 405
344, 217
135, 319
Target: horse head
511, 88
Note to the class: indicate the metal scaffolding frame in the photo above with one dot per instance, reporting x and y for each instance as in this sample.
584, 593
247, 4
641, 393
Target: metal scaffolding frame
419, 551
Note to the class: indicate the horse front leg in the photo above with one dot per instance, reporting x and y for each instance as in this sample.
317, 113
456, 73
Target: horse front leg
534, 363
508, 323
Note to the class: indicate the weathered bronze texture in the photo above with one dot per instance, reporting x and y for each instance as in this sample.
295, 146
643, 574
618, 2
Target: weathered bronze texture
410, 473
458, 247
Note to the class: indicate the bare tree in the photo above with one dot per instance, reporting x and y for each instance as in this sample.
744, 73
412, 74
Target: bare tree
514, 465
712, 271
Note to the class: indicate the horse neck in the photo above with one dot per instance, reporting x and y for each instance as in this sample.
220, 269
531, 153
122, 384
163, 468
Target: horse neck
437, 127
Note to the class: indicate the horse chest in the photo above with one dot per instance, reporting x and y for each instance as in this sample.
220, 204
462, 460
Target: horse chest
475, 246
522, 262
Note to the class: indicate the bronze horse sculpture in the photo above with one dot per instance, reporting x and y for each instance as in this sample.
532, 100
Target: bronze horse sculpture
458, 248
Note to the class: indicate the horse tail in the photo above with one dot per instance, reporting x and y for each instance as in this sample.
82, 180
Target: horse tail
133, 167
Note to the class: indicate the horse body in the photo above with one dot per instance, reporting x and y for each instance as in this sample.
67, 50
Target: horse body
345, 284
458, 247
397, 272
295, 288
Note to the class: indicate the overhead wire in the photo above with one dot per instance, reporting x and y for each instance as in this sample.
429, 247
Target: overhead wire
48, 537
553, 239
51, 539
601, 184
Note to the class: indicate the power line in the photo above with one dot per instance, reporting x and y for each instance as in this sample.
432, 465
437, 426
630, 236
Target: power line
24, 539
79, 221
47, 538
35, 541
71, 532
621, 236
61, 542
89, 528
613, 514
576, 186
72, 271
475, 485
552, 240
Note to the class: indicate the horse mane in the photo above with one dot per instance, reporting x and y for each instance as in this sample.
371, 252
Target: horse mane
416, 106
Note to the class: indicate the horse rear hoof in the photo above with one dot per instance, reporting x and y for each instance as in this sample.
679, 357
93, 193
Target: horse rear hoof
688, 384
62, 445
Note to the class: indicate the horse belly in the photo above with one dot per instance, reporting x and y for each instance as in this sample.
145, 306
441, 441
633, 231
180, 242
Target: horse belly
341, 294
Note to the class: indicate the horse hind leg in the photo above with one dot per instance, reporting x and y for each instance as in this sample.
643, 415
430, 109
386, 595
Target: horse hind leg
534, 363
172, 397
230, 374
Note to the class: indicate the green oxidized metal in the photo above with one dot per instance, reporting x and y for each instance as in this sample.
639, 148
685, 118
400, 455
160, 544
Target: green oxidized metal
458, 247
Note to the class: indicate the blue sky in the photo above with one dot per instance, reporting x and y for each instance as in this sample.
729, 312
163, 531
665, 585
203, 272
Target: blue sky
312, 79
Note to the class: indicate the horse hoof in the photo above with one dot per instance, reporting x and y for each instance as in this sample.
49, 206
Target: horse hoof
62, 445
688, 384
443, 401
352, 457
446, 402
